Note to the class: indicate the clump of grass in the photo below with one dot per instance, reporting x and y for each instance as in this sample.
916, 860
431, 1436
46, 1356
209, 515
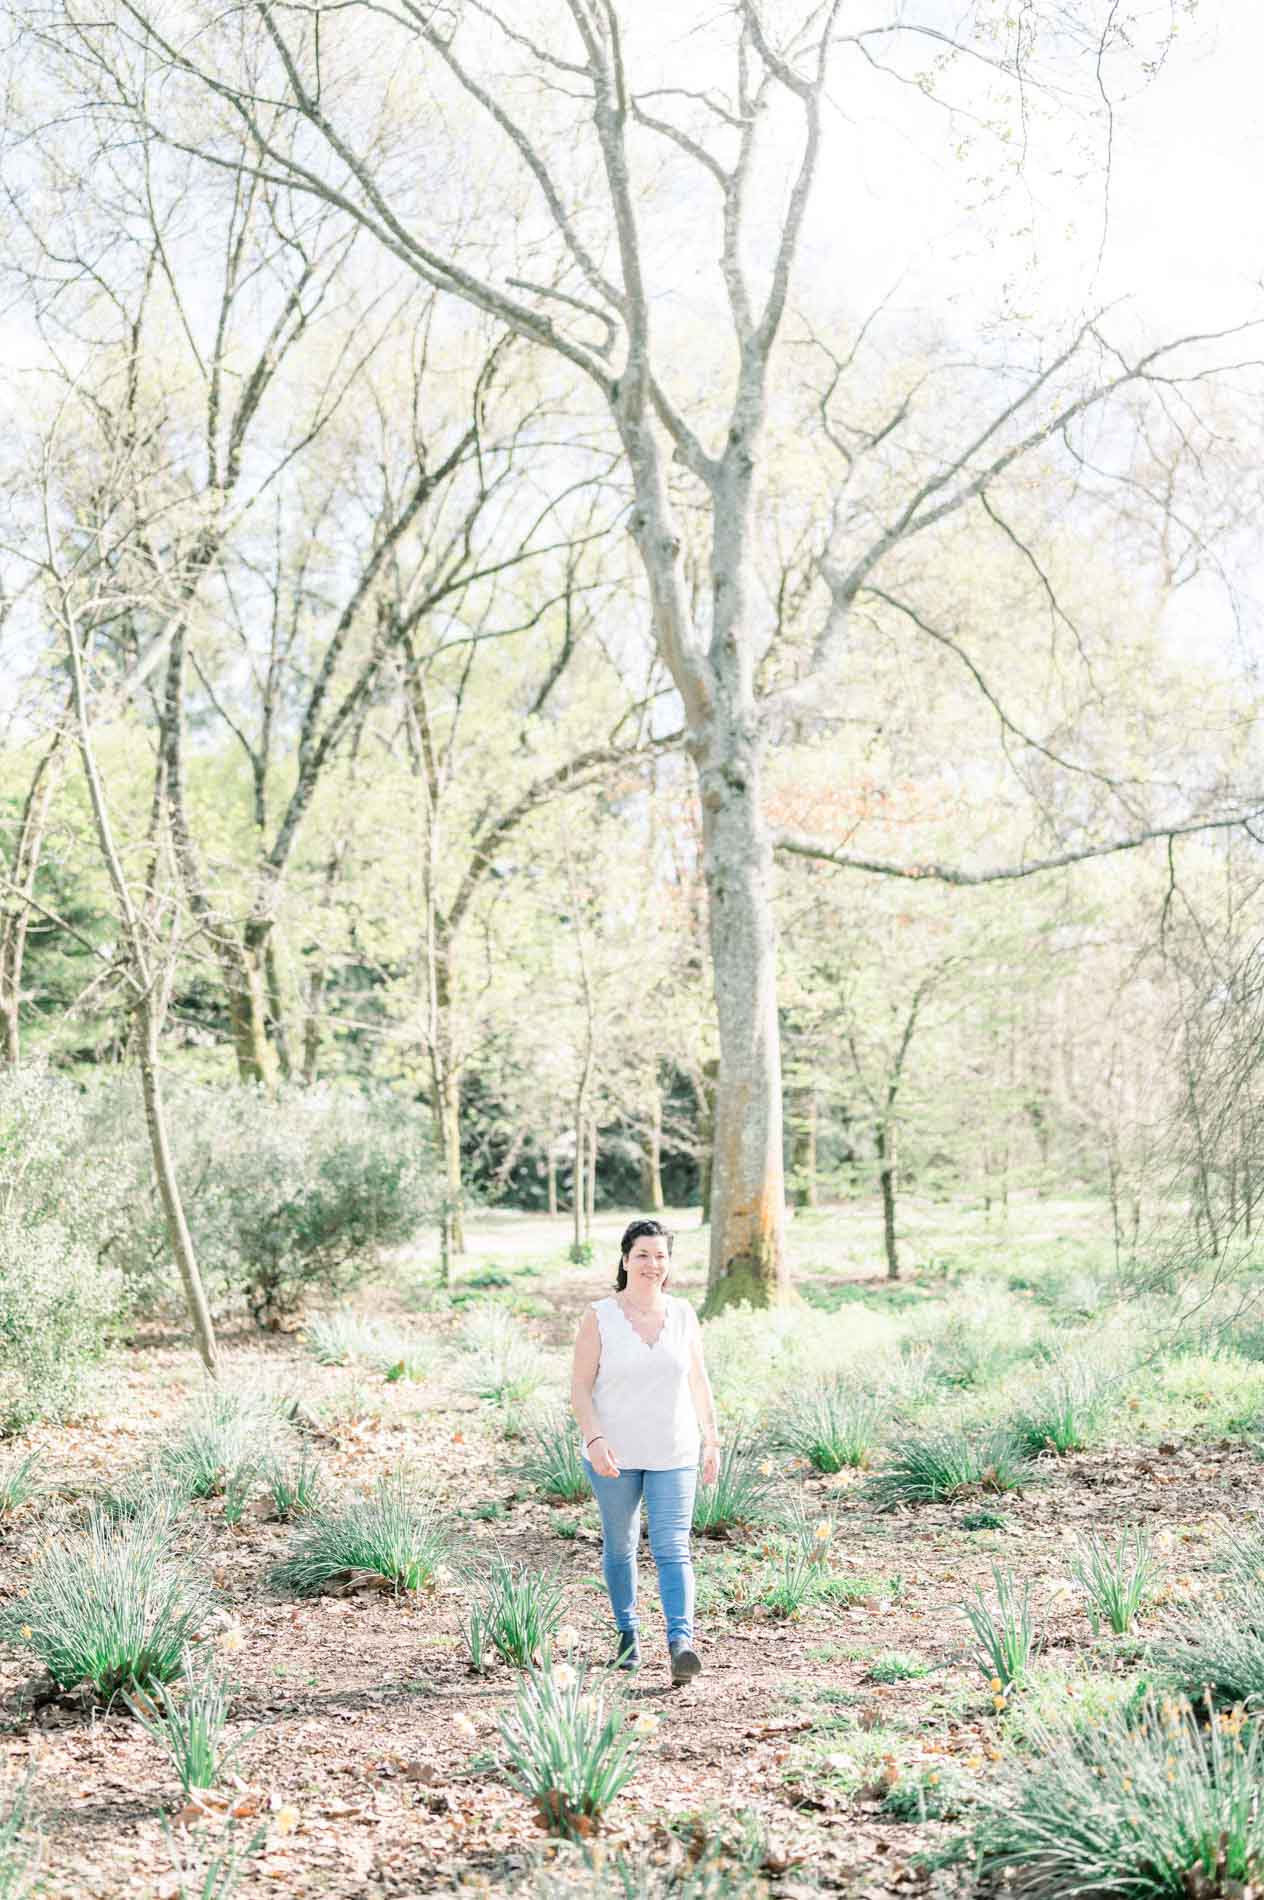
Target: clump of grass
21, 1844
1156, 1806
800, 1574
110, 1608
1118, 1578
928, 1794
898, 1665
1215, 1647
829, 1424
1065, 1415
210, 1868
346, 1339
189, 1722
552, 1460
149, 1495
931, 1467
741, 1492
227, 1437
985, 1520
389, 1533
1006, 1635
518, 1614
295, 1486
569, 1749
19, 1483
503, 1365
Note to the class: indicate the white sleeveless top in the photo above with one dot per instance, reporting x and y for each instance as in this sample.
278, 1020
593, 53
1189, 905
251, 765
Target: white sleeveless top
641, 1393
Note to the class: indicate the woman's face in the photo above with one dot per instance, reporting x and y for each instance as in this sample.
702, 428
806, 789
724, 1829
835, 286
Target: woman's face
646, 1264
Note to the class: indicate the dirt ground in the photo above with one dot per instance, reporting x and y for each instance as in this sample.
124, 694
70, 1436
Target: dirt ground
356, 1768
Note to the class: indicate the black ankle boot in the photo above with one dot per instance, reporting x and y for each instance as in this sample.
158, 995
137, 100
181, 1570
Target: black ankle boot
685, 1663
628, 1654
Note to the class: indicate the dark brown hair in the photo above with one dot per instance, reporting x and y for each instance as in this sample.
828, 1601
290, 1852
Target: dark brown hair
638, 1230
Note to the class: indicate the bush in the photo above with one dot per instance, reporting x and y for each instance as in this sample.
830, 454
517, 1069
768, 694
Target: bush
1153, 1806
519, 1612
57, 1304
108, 1608
389, 1534
568, 1749
830, 1424
929, 1468
740, 1494
553, 1462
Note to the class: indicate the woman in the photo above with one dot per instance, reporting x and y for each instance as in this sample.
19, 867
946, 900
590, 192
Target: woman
641, 1395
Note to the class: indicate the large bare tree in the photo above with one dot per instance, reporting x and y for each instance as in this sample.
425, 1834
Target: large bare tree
561, 114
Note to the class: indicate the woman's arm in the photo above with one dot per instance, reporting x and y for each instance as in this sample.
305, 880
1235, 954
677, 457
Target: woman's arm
584, 1367
704, 1406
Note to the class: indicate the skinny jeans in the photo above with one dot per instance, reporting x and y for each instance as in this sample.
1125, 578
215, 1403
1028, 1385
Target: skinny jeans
668, 1497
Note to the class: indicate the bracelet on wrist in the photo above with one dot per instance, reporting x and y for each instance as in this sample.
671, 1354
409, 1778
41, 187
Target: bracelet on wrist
593, 1439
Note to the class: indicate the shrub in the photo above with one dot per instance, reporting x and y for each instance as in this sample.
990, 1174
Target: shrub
1006, 1635
1065, 1414
1150, 1807
189, 1723
518, 1613
109, 1608
829, 1424
569, 1749
388, 1534
57, 1305
1118, 1578
741, 1492
553, 1461
929, 1468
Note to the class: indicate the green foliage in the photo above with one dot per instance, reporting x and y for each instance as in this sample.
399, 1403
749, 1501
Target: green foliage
503, 1364
21, 1845
568, 1748
830, 1423
898, 1665
518, 1613
1006, 1635
929, 1794
1158, 1806
108, 1607
189, 1721
741, 1492
19, 1483
343, 1339
1066, 1413
210, 1867
226, 1438
798, 1574
57, 1304
930, 1467
1118, 1578
552, 1460
1215, 1646
389, 1533
295, 1485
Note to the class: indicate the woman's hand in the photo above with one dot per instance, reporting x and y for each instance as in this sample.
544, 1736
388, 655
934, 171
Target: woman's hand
601, 1458
710, 1463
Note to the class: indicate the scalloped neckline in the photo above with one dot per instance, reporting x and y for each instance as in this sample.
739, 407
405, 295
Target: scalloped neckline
649, 1345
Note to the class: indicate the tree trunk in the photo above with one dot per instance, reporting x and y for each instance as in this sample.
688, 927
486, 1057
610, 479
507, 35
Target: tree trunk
454, 1187
276, 1010
706, 1137
551, 1166
169, 1187
313, 1028
747, 1173
590, 1178
15, 918
577, 1184
805, 1151
652, 1157
885, 1141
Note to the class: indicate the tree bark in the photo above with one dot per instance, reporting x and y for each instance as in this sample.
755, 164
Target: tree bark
805, 1194
590, 1178
652, 1157
747, 1173
168, 1185
551, 1167
886, 1142
15, 918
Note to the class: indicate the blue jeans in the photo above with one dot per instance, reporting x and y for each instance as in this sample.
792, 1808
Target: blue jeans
669, 1507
